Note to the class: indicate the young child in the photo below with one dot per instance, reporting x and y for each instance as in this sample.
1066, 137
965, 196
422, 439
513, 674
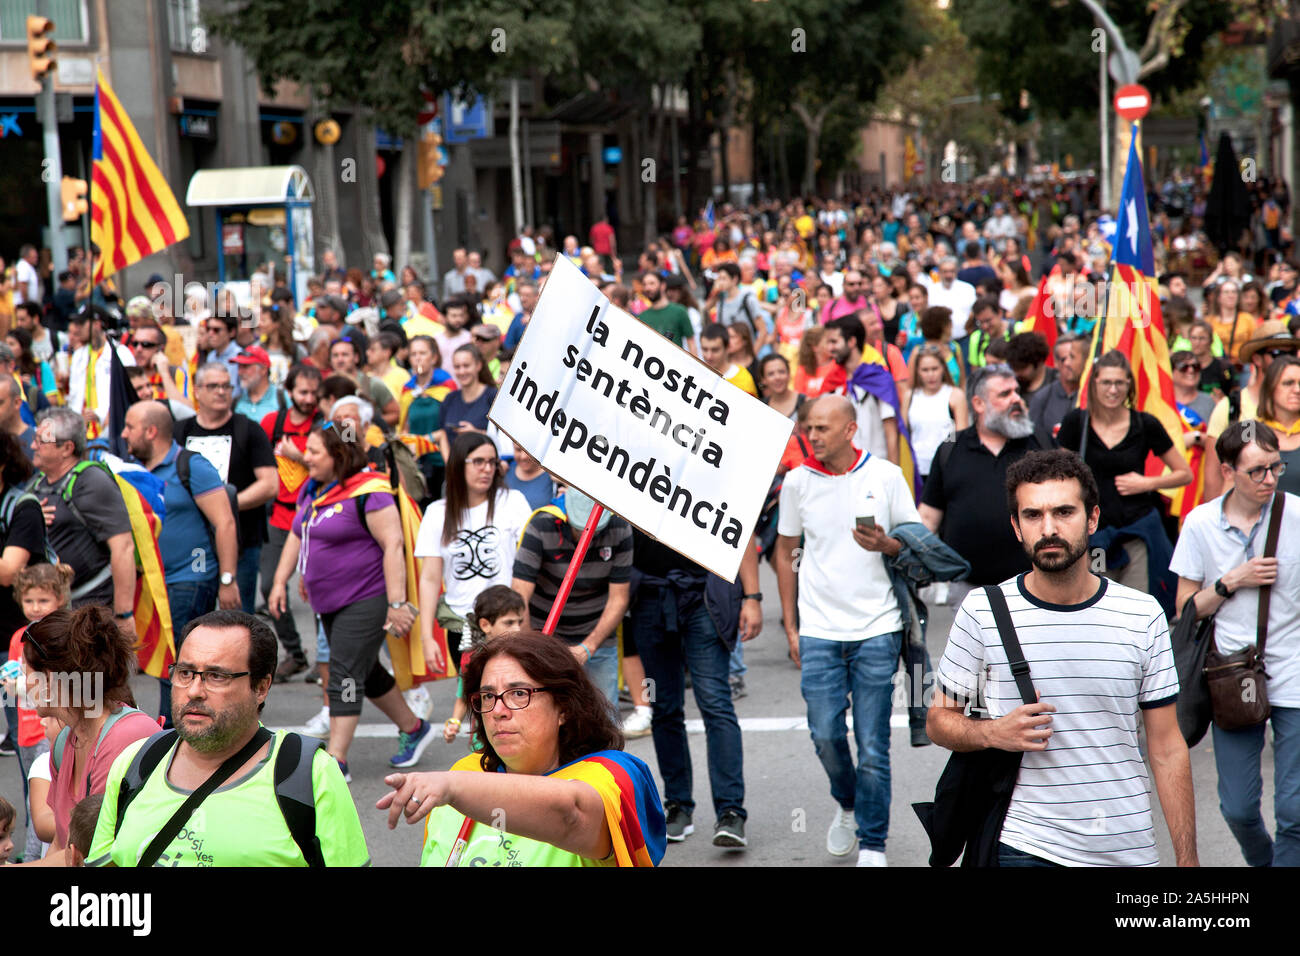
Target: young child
40, 815
81, 828
497, 611
39, 589
7, 816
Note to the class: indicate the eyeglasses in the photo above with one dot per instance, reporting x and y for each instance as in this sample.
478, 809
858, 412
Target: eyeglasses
1188, 367
1277, 470
214, 680
215, 328
28, 639
1113, 386
516, 698
139, 344
214, 387
1278, 353
482, 462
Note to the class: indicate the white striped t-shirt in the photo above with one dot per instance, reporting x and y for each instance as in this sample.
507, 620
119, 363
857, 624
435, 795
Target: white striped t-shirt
1086, 799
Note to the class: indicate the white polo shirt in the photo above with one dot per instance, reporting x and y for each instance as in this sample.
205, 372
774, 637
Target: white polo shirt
1209, 547
844, 590
959, 297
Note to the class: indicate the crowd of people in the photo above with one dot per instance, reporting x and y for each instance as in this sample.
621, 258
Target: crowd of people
937, 454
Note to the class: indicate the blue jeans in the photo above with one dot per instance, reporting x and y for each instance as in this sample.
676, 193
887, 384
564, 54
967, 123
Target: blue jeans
1009, 856
832, 672
603, 670
250, 560
188, 600
736, 662
1237, 758
694, 643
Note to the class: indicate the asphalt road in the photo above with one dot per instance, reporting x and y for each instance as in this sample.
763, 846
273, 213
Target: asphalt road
787, 795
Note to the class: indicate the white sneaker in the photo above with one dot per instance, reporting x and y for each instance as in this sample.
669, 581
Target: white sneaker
637, 723
417, 698
842, 837
871, 858
319, 726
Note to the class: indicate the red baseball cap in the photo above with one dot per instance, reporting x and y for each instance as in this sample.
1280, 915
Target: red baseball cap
253, 355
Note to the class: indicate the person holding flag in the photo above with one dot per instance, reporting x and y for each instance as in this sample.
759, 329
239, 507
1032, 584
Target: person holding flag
90, 368
1194, 408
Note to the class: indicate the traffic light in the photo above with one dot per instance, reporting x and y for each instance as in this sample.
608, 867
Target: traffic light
40, 46
73, 195
429, 171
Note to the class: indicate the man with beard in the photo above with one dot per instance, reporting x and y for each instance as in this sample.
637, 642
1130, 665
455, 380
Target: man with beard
867, 386
1098, 654
962, 501
280, 801
287, 431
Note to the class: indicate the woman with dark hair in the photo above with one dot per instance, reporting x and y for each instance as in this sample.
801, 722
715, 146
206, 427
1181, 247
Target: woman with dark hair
421, 404
1279, 409
346, 541
467, 539
466, 409
740, 349
37, 376
1119, 439
91, 696
551, 768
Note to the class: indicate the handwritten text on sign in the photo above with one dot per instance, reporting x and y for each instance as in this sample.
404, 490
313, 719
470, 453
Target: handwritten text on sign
608, 405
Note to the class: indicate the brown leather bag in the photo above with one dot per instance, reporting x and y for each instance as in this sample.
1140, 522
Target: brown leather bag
1238, 682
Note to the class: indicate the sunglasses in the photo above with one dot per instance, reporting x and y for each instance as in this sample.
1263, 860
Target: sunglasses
1278, 353
1188, 367
140, 343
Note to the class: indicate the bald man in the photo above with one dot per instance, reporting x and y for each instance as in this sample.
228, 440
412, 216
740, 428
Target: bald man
198, 544
848, 633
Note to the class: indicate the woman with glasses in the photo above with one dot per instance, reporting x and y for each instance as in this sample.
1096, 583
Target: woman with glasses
1279, 409
93, 660
1119, 440
551, 785
467, 539
936, 410
346, 540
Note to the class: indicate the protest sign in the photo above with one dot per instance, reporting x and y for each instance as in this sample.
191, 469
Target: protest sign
610, 406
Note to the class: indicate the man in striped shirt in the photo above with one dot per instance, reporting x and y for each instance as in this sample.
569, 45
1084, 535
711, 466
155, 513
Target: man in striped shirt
1098, 654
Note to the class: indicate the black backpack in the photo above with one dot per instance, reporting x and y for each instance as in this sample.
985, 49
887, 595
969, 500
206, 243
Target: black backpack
183, 460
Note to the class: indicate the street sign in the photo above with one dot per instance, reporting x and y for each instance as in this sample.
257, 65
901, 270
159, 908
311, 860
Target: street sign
1132, 102
467, 121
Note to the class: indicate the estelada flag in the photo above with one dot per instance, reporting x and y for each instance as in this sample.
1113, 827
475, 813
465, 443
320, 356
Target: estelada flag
133, 213
407, 653
1184, 499
1133, 322
1042, 319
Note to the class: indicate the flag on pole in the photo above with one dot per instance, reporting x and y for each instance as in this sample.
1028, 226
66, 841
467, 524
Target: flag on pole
133, 213
1042, 319
1133, 322
709, 216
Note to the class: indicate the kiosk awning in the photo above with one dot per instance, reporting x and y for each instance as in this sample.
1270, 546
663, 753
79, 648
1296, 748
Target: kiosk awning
249, 186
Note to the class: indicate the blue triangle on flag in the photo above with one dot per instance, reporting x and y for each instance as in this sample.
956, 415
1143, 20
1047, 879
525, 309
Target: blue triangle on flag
1133, 235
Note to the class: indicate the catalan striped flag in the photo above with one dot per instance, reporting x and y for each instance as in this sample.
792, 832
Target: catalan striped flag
1041, 318
1188, 497
133, 213
155, 642
1133, 322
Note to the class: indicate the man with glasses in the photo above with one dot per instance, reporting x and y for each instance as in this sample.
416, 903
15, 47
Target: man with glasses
91, 367
285, 804
853, 299
241, 453
1219, 560
167, 382
222, 346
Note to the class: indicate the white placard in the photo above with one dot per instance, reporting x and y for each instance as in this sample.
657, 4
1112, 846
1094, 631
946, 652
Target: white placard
608, 405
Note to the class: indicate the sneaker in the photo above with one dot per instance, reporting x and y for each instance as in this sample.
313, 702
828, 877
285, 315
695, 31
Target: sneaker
637, 723
318, 726
919, 737
347, 777
678, 822
288, 667
842, 837
737, 687
7, 748
417, 698
729, 831
871, 858
412, 745
314, 675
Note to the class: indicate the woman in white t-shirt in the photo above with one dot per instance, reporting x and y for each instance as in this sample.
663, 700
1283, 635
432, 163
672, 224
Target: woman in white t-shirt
468, 539
936, 410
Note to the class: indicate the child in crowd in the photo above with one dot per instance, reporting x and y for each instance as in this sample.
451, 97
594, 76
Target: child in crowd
40, 815
497, 611
81, 828
39, 590
7, 816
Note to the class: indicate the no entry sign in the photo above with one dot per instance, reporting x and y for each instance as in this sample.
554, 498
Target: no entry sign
1132, 102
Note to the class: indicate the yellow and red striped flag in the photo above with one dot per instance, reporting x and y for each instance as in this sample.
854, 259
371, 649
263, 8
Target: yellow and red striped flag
133, 213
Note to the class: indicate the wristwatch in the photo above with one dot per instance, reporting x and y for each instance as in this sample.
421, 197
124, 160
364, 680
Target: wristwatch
756, 596
1221, 589
397, 605
227, 579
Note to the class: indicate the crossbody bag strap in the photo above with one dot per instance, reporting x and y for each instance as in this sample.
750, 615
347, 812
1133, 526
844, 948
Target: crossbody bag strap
1011, 644
186, 809
1266, 592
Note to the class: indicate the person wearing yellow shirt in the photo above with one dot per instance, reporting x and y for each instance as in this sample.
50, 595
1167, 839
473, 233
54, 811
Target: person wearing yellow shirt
713, 349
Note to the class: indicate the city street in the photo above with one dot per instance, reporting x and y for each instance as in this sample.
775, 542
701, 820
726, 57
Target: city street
787, 795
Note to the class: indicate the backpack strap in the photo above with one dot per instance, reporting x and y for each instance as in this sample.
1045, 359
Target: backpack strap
277, 431
1266, 592
296, 796
183, 469
146, 760
1011, 643
60, 745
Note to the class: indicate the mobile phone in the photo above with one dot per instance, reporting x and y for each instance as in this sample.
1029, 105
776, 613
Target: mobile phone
866, 521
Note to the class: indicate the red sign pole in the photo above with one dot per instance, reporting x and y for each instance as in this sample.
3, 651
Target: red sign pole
552, 621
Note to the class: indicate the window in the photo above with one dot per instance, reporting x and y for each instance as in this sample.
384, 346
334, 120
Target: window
71, 21
186, 29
